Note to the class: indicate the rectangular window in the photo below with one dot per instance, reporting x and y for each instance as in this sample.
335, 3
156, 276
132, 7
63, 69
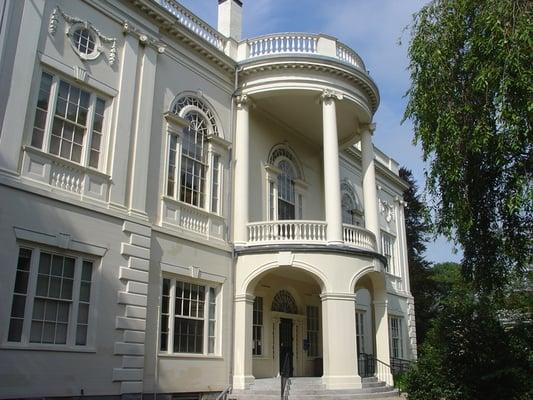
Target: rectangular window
188, 317
396, 340
360, 331
312, 330
387, 247
215, 183
69, 121
257, 325
56, 309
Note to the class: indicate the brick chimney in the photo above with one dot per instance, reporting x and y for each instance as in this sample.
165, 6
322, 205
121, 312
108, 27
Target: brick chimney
230, 18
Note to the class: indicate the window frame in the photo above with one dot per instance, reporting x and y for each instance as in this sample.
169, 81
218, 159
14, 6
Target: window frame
399, 339
214, 153
217, 287
272, 190
388, 241
308, 318
258, 327
72, 325
94, 95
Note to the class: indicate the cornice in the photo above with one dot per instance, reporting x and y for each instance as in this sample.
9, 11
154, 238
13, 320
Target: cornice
318, 64
168, 25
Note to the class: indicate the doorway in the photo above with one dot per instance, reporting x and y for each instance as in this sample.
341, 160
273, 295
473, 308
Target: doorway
285, 345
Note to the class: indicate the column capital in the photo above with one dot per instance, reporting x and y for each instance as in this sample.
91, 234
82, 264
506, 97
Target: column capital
370, 127
242, 100
328, 94
337, 296
246, 298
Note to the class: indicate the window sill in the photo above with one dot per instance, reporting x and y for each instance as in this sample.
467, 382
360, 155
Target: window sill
190, 356
48, 347
182, 204
192, 219
64, 175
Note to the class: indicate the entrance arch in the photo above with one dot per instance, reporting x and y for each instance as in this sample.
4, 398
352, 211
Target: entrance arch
370, 289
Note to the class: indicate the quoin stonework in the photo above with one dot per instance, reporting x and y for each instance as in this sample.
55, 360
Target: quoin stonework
183, 210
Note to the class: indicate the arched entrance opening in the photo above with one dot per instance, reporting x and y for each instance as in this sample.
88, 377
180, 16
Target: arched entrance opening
286, 323
371, 319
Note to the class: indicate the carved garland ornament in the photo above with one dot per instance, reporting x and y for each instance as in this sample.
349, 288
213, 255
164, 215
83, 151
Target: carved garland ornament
387, 210
86, 40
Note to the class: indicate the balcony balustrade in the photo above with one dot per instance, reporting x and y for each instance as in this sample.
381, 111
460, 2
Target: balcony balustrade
306, 232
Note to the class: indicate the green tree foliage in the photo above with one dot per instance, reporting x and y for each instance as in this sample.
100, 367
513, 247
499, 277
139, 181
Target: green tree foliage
469, 355
417, 234
471, 102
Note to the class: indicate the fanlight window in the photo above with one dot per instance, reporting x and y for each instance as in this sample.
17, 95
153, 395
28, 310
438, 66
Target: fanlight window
284, 302
196, 103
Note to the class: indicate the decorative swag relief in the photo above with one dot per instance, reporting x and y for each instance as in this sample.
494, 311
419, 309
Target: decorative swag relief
87, 41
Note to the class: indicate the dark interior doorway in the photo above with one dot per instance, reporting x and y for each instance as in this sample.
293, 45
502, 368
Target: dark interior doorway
285, 344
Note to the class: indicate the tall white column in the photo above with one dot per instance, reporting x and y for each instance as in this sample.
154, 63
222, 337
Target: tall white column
332, 183
370, 196
381, 322
242, 171
242, 357
339, 341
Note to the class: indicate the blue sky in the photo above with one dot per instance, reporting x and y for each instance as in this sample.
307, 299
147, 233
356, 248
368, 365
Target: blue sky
373, 28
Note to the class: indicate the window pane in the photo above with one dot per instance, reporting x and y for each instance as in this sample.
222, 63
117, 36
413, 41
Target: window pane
87, 271
85, 291
15, 330
81, 335
17, 309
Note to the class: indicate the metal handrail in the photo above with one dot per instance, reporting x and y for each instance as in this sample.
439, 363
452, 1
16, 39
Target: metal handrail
224, 394
285, 375
399, 365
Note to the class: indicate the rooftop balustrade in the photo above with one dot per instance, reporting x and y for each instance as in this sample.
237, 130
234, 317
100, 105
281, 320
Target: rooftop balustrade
268, 45
299, 44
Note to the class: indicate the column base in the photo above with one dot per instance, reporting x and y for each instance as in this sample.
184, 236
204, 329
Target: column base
242, 382
335, 243
333, 382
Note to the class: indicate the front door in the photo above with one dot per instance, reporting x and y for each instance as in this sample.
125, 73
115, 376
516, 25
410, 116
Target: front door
285, 345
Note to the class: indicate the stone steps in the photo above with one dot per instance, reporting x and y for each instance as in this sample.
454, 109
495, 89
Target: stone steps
313, 389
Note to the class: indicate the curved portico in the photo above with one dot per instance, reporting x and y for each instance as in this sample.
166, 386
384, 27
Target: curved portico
323, 100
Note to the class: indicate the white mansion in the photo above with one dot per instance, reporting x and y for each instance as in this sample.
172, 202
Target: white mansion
182, 211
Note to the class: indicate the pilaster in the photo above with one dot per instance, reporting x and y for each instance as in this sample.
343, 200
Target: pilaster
242, 361
16, 107
381, 323
123, 122
339, 338
411, 327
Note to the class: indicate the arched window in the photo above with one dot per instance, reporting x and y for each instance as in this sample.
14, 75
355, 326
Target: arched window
347, 209
284, 302
352, 213
285, 196
194, 170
